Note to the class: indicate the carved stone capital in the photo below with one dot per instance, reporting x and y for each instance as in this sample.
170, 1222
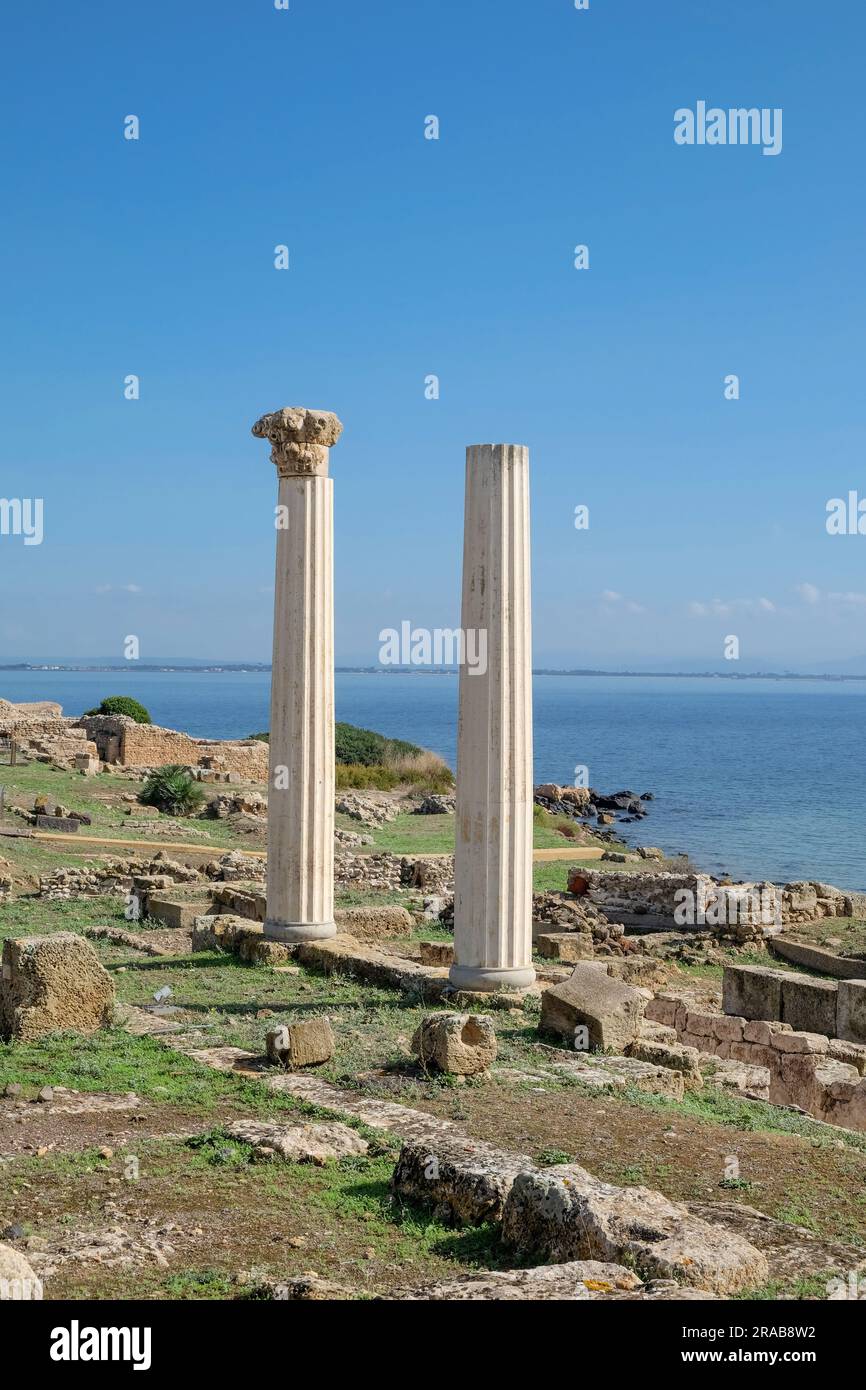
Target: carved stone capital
300, 439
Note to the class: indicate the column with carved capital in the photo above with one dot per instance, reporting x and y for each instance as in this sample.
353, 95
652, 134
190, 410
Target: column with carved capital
493, 844
300, 892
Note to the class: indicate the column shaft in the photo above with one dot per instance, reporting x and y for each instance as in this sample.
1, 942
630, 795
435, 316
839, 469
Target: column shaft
301, 797
493, 851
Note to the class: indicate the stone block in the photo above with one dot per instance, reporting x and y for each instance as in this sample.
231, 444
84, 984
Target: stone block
854, 1053
679, 1058
465, 1181
437, 953
582, 1279
180, 915
67, 824
565, 1213
809, 1005
610, 1010
700, 1025
812, 1044
304, 1044
374, 923
851, 1011
459, 1044
307, 1143
752, 991
728, 1028
50, 984
567, 946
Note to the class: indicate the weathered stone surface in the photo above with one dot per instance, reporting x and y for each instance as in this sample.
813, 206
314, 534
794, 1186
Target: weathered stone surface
461, 1044
181, 915
53, 983
305, 1044
309, 1143
809, 1005
610, 1010
565, 1213
751, 991
792, 1252
18, 1280
437, 953
374, 923
567, 946
343, 955
851, 1011
673, 1055
466, 1181
621, 1073
67, 824
582, 1279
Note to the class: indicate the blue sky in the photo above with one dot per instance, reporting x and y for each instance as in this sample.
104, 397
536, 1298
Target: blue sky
411, 257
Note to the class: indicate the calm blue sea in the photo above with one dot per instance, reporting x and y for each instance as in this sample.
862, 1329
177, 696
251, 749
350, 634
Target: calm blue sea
761, 778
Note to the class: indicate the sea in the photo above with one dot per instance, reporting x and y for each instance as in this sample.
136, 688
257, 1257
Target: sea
757, 777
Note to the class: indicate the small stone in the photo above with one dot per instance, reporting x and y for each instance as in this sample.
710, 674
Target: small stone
46, 1095
12, 1088
106, 1152
459, 1044
304, 1044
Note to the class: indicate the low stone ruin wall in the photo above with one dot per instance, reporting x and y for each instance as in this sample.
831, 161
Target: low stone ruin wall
122, 740
742, 910
836, 1008
820, 1074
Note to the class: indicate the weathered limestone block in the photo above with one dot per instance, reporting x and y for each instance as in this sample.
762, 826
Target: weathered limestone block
620, 1073
53, 983
761, 1031
304, 1044
854, 1053
675, 1056
651, 1031
461, 1044
734, 1074
547, 1283
565, 1213
809, 1005
851, 1011
801, 1042
751, 991
374, 923
465, 1181
437, 953
18, 1280
309, 1143
610, 1010
181, 915
567, 946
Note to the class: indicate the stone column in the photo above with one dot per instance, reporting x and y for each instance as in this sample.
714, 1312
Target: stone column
493, 852
300, 905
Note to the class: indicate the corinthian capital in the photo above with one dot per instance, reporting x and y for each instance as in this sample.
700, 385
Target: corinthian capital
300, 439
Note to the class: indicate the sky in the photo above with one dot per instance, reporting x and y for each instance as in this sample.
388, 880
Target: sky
454, 257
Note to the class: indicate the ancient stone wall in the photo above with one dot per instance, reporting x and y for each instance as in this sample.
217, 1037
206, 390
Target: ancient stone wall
823, 1075
120, 740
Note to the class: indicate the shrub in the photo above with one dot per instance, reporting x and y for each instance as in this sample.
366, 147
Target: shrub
173, 790
364, 746
123, 704
261, 738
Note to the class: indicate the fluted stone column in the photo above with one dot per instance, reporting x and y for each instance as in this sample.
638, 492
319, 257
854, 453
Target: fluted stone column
493, 852
300, 902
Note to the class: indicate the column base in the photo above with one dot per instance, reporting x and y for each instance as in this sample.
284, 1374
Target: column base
299, 931
488, 980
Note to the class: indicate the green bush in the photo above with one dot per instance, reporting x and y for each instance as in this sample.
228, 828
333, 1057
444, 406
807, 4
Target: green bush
123, 704
364, 746
173, 790
261, 738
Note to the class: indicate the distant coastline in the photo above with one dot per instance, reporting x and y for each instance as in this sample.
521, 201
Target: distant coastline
247, 667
